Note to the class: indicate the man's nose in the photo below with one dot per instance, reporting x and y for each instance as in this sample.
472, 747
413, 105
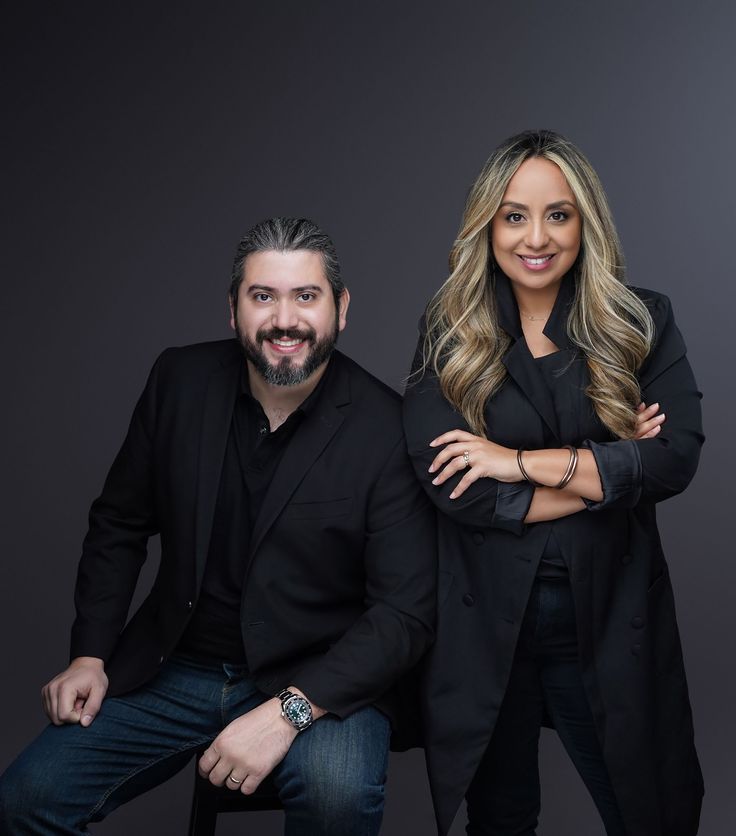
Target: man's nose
285, 316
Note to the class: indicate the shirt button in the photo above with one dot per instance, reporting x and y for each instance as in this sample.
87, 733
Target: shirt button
478, 537
635, 649
468, 600
637, 622
626, 559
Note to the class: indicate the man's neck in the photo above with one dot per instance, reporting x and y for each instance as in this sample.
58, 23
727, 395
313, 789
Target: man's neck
279, 402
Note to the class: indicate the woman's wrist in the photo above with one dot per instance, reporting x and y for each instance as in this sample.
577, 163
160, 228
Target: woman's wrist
545, 467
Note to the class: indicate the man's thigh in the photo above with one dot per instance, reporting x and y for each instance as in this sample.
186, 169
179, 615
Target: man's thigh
334, 774
72, 775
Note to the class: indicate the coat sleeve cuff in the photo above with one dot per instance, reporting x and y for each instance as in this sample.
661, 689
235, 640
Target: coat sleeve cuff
512, 505
619, 468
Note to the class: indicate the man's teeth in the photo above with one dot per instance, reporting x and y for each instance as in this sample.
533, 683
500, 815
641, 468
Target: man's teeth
286, 343
536, 260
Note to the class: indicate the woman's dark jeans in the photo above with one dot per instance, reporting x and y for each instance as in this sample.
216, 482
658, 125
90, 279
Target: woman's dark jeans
503, 799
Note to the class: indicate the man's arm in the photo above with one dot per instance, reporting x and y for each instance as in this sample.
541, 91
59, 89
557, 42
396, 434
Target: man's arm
400, 567
120, 523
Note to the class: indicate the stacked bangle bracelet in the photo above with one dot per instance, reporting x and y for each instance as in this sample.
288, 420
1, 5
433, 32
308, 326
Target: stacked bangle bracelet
571, 467
569, 473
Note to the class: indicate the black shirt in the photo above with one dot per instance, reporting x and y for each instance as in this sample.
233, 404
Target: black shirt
251, 458
552, 565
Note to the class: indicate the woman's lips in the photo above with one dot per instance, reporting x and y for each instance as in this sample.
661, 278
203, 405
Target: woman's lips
536, 262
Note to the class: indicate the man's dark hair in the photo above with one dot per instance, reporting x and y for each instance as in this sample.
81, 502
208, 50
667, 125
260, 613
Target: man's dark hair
287, 235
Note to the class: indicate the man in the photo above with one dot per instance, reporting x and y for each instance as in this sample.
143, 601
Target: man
297, 575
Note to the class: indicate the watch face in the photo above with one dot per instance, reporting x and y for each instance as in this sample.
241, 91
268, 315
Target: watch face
298, 711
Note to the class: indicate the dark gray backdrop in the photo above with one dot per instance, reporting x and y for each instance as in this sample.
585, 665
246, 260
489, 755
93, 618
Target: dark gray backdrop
144, 140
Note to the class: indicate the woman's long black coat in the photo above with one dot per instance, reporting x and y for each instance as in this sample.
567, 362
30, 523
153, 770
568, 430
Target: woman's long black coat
628, 639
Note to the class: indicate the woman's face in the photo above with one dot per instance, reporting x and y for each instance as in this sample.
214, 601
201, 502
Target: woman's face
535, 234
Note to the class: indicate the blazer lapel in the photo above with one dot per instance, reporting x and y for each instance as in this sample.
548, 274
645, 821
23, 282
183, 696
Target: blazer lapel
518, 359
520, 366
309, 440
216, 419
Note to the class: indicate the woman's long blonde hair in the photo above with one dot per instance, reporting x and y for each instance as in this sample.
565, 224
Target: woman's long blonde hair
608, 322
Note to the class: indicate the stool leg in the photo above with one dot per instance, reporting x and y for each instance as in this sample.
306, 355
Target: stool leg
203, 818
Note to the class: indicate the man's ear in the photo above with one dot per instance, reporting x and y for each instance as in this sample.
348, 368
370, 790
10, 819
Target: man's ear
232, 311
343, 303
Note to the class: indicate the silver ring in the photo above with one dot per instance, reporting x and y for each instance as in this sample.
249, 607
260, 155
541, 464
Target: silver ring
234, 780
466, 458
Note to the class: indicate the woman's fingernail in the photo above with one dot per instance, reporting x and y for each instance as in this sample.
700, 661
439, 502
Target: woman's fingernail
452, 495
434, 481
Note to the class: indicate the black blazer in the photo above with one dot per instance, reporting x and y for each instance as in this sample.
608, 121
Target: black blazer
339, 590
629, 645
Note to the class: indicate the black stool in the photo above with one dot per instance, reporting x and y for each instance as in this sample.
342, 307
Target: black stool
209, 800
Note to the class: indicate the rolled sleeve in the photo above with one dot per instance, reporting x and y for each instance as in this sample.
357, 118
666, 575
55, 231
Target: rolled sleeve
619, 468
512, 505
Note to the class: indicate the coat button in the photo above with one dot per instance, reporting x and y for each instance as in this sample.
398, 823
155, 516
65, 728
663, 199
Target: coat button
468, 600
635, 649
188, 605
626, 559
478, 537
161, 661
637, 621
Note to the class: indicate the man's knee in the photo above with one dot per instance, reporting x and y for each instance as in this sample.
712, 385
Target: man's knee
25, 790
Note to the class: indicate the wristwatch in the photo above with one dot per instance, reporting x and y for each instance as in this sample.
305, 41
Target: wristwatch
297, 710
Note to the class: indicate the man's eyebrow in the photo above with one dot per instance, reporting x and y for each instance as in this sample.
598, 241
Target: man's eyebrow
263, 288
558, 204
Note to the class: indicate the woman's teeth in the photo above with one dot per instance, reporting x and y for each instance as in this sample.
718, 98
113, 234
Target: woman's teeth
536, 260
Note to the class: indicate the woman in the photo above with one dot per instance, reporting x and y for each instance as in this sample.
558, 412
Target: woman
526, 420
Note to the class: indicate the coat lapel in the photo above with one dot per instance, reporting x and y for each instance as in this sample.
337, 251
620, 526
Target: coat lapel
216, 419
518, 360
309, 440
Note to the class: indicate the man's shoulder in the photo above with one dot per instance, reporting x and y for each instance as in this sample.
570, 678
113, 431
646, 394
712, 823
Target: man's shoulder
204, 357
366, 389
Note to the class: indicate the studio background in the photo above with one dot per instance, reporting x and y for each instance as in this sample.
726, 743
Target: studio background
141, 141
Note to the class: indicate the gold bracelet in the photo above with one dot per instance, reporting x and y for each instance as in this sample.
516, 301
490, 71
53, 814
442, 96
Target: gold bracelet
571, 467
523, 471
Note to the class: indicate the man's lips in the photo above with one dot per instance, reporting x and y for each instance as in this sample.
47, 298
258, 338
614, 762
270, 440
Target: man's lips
284, 346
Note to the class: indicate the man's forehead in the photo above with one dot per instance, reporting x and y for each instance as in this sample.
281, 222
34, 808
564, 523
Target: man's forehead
296, 268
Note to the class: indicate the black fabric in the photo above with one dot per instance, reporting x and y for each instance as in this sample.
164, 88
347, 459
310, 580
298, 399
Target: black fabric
339, 582
628, 641
252, 455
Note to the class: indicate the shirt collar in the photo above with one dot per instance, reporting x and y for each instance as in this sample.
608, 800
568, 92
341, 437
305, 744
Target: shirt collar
509, 318
307, 405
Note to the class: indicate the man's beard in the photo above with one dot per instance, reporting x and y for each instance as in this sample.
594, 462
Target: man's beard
285, 373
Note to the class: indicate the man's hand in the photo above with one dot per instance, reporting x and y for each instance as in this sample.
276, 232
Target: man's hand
246, 750
76, 694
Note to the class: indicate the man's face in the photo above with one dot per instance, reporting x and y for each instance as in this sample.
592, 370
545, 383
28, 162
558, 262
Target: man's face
286, 318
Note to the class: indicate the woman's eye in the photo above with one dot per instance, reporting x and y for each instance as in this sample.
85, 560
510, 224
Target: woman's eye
558, 216
514, 217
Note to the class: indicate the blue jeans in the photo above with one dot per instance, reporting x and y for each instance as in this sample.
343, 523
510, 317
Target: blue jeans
331, 782
504, 796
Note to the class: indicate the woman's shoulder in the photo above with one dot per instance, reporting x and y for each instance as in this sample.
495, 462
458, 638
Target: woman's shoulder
658, 304
668, 345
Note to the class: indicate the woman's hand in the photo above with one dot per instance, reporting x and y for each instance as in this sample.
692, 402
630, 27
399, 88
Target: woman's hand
484, 458
648, 422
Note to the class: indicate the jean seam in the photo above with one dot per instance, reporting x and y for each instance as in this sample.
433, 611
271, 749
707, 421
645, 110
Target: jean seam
139, 769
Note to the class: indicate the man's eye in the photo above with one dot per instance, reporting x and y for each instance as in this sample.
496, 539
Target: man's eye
261, 297
305, 297
514, 217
